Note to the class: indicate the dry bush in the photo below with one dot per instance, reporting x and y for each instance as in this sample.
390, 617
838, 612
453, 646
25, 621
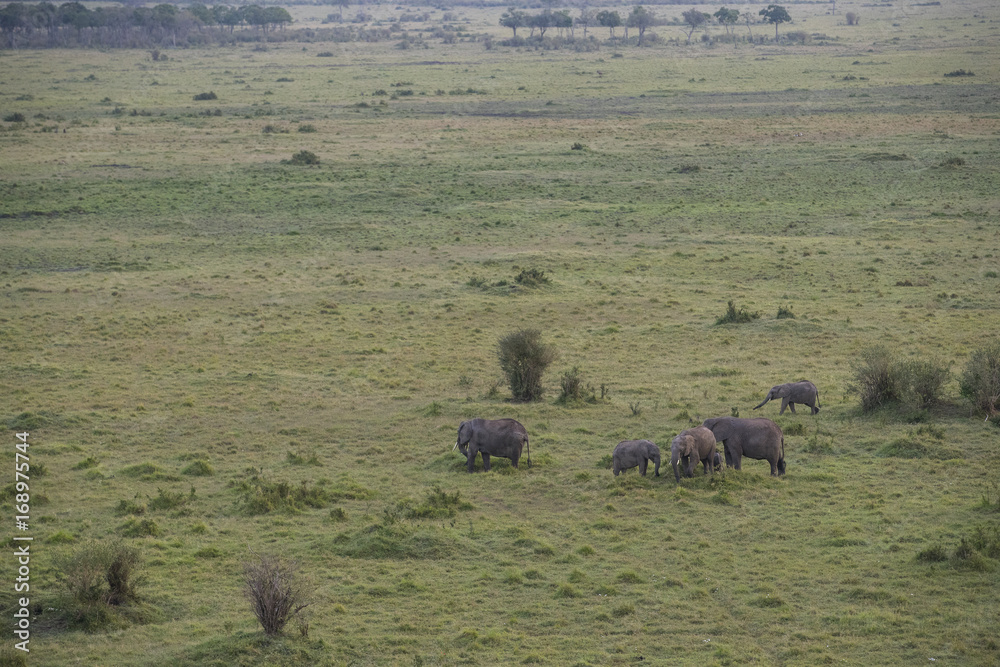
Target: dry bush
275, 590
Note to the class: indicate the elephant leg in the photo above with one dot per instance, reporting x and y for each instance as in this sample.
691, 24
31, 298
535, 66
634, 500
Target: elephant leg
729, 455
792, 407
774, 468
737, 460
471, 460
513, 459
784, 404
707, 464
486, 462
812, 406
642, 466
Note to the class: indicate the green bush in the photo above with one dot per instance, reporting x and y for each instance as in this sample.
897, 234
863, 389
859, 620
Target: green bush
571, 386
198, 468
523, 359
531, 278
980, 381
736, 316
303, 158
785, 313
875, 378
101, 578
258, 495
16, 117
205, 96
922, 380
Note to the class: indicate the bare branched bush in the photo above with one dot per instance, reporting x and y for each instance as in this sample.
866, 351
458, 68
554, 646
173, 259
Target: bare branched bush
980, 381
275, 590
523, 359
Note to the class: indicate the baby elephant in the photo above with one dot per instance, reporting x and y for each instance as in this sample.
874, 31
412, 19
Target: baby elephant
804, 392
689, 447
632, 453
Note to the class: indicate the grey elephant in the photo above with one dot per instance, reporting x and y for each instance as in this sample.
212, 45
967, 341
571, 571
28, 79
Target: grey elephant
689, 447
632, 453
753, 438
803, 392
505, 438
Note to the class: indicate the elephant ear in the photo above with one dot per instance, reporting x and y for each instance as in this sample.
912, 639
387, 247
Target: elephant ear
688, 447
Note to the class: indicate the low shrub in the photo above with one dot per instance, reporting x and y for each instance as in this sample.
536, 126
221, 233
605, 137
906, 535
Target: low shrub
959, 72
875, 380
258, 495
16, 117
140, 528
531, 278
205, 96
302, 158
785, 313
735, 315
100, 578
198, 468
980, 380
571, 386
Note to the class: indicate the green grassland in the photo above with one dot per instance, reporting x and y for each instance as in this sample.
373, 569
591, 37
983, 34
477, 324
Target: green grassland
173, 291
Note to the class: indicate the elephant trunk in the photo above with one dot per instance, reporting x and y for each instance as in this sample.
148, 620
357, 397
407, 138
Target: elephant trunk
763, 402
674, 458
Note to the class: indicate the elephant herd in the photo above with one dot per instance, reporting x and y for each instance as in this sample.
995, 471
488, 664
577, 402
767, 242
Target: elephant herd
751, 438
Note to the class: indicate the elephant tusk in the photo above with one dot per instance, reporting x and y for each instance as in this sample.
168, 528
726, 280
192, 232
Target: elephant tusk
455, 447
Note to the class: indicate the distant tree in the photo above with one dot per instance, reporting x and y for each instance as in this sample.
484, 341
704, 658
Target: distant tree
561, 20
586, 19
727, 18
777, 15
747, 16
514, 19
610, 20
694, 19
641, 19
542, 22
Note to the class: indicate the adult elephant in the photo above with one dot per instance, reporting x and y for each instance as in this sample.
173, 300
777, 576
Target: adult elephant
753, 438
505, 438
804, 392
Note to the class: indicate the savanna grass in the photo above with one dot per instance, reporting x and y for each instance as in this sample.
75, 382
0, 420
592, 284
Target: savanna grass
172, 289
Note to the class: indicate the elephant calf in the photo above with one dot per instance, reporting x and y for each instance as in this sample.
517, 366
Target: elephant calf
632, 453
804, 392
689, 447
505, 438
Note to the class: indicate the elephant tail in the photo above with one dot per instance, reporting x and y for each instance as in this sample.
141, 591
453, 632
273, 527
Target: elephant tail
528, 447
781, 461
